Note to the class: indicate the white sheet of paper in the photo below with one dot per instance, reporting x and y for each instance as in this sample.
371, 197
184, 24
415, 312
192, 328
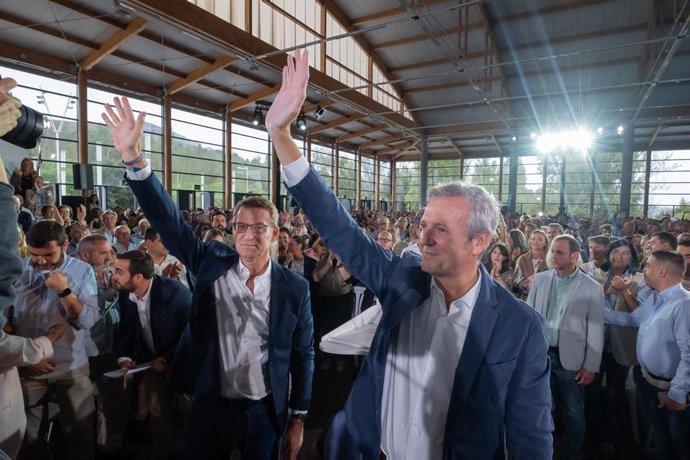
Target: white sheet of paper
116, 374
355, 336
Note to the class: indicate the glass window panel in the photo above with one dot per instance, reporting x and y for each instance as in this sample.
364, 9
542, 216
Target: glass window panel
407, 186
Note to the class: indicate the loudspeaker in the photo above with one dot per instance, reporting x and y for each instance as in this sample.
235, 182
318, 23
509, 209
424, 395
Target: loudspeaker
83, 176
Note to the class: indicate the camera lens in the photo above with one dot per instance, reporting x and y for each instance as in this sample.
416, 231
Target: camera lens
29, 128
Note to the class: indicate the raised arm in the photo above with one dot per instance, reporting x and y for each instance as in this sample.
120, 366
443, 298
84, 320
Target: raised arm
287, 105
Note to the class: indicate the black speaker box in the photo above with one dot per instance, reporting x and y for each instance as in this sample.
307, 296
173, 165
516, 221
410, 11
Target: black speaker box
83, 176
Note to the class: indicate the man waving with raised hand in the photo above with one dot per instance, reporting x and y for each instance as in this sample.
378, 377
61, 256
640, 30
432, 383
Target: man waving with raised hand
248, 356
458, 367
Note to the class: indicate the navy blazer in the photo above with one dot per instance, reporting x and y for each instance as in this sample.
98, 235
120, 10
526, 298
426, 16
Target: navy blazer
500, 393
170, 302
196, 368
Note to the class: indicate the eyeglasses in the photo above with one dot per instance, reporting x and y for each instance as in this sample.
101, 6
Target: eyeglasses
257, 229
385, 240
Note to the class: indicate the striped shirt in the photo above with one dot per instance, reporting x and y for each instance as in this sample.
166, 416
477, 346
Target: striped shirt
663, 340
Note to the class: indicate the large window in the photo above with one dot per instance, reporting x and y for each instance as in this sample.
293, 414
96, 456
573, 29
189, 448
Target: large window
368, 180
251, 161
385, 182
322, 161
443, 171
347, 173
407, 186
668, 184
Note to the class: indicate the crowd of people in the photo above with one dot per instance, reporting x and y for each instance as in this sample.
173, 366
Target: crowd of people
129, 321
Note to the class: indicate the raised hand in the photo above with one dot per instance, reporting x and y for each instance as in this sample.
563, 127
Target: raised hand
288, 103
125, 130
9, 106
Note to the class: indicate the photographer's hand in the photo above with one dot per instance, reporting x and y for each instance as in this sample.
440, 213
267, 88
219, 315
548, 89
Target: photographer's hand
9, 108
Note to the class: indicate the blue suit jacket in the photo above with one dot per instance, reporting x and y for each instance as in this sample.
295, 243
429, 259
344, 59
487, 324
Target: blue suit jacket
196, 368
500, 393
170, 303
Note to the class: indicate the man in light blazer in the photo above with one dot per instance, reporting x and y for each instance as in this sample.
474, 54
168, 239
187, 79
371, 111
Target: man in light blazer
573, 305
457, 365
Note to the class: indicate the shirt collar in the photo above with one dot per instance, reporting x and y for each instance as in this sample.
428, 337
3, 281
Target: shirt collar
145, 298
468, 300
262, 279
566, 277
668, 292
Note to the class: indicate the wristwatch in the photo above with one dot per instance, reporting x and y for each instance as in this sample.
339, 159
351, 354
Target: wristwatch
64, 293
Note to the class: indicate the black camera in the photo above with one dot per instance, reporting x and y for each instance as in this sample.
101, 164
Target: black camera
29, 128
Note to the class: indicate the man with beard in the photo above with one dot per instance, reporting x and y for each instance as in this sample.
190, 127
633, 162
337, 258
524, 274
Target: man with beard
57, 288
220, 222
155, 311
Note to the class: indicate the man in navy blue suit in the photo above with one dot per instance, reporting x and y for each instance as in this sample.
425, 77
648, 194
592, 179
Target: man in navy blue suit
248, 355
458, 366
154, 313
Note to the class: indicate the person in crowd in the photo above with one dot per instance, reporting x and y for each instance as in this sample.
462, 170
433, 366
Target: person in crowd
66, 215
220, 221
663, 351
155, 312
385, 239
164, 263
606, 230
24, 179
400, 406
402, 224
553, 230
534, 261
381, 224
299, 226
618, 277
283, 246
412, 245
334, 298
22, 247
93, 206
109, 219
240, 390
123, 239
24, 217
517, 246
140, 232
662, 241
40, 195
498, 265
56, 288
214, 234
76, 232
572, 303
597, 254
296, 260
14, 350
684, 250
111, 403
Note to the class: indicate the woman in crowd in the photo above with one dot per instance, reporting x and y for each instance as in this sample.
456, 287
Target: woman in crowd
532, 262
498, 265
517, 245
621, 284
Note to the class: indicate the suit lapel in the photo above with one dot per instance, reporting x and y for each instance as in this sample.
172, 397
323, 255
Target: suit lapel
279, 294
484, 317
153, 311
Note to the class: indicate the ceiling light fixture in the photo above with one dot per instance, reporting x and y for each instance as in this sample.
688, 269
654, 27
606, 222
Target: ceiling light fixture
258, 117
301, 121
319, 112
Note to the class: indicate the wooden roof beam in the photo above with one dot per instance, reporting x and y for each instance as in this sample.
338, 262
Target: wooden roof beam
199, 73
382, 140
113, 43
361, 132
255, 96
336, 122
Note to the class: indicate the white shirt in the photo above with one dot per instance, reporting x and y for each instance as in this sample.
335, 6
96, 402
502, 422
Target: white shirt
169, 260
420, 371
243, 333
144, 309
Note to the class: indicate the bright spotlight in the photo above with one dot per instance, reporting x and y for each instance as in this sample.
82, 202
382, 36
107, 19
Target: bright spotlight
540, 214
533, 135
620, 130
600, 130
565, 140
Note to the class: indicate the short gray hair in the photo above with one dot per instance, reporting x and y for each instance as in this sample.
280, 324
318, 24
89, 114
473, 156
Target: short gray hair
87, 243
483, 206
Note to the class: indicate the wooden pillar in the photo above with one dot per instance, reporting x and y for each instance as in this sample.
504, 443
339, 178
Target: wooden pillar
377, 185
167, 143
647, 175
275, 176
500, 178
358, 179
227, 195
393, 162
309, 149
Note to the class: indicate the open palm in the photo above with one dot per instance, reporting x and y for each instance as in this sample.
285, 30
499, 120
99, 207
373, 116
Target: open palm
288, 103
125, 130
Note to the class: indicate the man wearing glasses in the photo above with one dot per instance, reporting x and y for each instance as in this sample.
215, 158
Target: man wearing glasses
250, 331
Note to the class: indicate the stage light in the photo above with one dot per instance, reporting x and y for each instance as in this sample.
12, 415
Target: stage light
258, 117
620, 130
319, 112
301, 121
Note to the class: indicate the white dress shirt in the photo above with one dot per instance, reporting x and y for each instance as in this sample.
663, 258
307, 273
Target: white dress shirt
243, 332
144, 309
169, 260
420, 371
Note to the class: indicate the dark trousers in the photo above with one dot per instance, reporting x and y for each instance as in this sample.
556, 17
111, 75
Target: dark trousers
213, 430
670, 429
